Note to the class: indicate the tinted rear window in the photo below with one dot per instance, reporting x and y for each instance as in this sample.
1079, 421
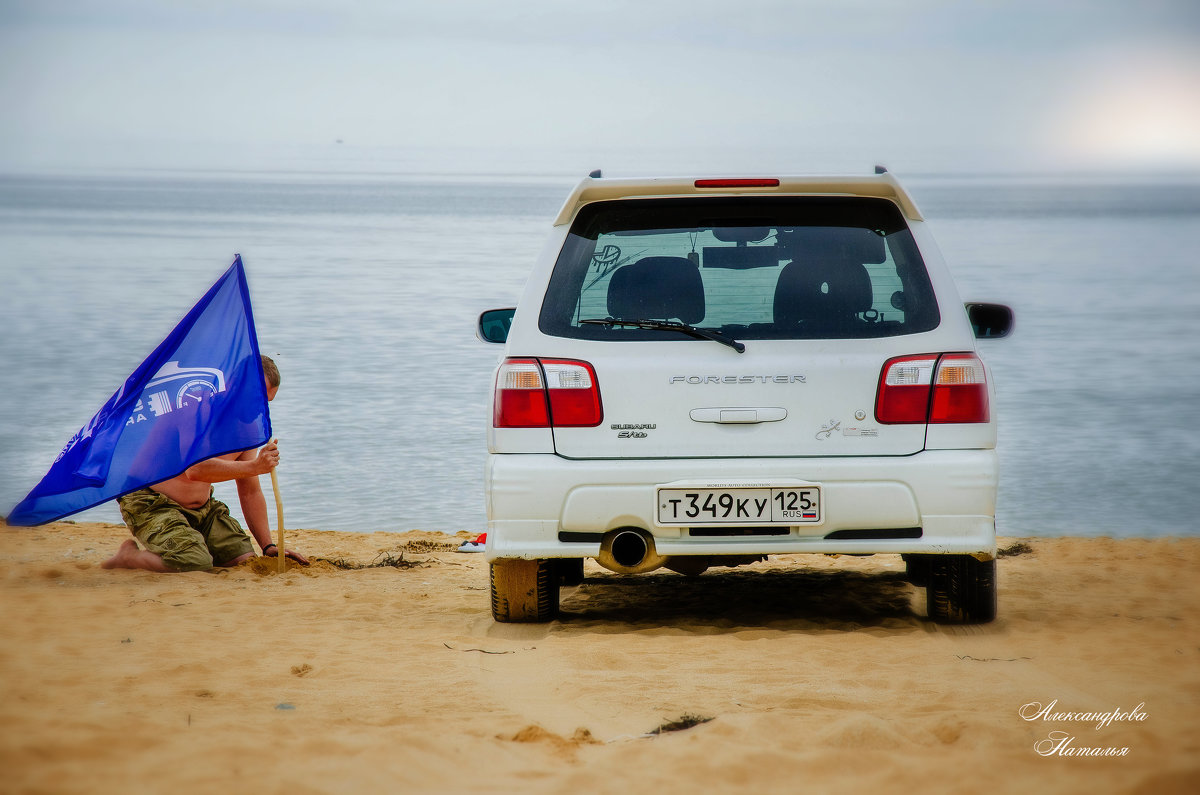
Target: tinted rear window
752, 268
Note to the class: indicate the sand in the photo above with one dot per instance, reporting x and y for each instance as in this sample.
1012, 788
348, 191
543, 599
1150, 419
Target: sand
800, 674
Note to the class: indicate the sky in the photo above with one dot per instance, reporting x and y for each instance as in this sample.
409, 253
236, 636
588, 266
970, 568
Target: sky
542, 86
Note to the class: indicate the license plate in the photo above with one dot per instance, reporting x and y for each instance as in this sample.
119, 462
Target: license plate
790, 505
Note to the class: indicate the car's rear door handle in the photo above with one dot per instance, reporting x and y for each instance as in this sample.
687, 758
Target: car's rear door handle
738, 415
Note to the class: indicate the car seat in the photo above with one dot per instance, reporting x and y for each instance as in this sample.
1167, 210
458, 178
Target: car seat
657, 288
823, 297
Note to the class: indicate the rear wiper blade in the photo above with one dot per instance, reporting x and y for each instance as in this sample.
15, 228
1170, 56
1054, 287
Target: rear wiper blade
666, 325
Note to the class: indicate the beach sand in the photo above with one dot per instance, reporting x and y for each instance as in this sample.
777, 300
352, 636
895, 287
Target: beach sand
817, 674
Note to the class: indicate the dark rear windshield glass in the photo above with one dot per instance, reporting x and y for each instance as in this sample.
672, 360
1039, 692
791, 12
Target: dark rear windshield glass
751, 268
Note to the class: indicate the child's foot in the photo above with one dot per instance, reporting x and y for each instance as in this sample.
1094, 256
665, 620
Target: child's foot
124, 557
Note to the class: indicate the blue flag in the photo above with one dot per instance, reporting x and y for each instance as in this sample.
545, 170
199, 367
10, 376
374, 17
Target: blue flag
201, 394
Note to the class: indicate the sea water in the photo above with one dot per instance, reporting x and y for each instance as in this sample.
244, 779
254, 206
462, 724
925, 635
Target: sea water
366, 291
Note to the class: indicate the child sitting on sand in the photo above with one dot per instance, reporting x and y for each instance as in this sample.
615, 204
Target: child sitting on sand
184, 528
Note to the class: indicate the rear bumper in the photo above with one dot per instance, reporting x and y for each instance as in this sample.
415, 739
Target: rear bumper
545, 506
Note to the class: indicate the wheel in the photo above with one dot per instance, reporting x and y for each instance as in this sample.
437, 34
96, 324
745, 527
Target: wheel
570, 570
524, 590
917, 569
961, 590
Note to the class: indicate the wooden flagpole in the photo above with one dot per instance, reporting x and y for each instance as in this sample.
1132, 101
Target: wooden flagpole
278, 522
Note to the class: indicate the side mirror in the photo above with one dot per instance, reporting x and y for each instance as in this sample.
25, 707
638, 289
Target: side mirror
494, 324
990, 321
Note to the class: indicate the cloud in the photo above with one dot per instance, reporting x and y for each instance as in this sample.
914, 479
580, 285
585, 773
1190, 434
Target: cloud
1132, 107
925, 81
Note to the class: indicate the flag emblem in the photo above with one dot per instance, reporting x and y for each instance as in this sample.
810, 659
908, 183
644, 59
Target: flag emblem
200, 394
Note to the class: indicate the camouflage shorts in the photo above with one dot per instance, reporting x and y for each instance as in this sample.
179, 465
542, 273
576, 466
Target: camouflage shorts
186, 539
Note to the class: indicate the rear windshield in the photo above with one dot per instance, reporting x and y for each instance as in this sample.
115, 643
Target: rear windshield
750, 268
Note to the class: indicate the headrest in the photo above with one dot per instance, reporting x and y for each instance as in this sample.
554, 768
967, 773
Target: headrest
833, 244
657, 288
821, 292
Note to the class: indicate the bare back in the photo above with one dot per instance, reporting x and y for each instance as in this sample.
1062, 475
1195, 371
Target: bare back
189, 492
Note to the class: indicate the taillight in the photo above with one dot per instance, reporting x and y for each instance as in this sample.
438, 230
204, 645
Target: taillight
533, 393
946, 388
738, 183
959, 390
520, 400
574, 395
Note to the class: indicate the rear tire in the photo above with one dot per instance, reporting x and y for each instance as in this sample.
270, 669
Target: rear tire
961, 590
524, 590
570, 570
917, 569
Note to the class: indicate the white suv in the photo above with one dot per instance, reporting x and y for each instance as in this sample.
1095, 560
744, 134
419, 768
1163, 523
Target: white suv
704, 372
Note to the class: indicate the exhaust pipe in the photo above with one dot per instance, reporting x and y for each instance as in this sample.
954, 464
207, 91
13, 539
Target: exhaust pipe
629, 551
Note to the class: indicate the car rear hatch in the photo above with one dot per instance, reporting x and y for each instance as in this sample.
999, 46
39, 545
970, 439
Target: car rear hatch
696, 398
819, 292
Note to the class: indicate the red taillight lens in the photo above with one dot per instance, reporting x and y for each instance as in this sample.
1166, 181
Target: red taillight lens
903, 396
948, 388
574, 396
737, 183
959, 390
537, 394
520, 399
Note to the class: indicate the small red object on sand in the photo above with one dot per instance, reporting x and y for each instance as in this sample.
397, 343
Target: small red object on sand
476, 544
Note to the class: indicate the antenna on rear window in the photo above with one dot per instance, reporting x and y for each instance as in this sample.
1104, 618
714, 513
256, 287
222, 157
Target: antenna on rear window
595, 174
880, 169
